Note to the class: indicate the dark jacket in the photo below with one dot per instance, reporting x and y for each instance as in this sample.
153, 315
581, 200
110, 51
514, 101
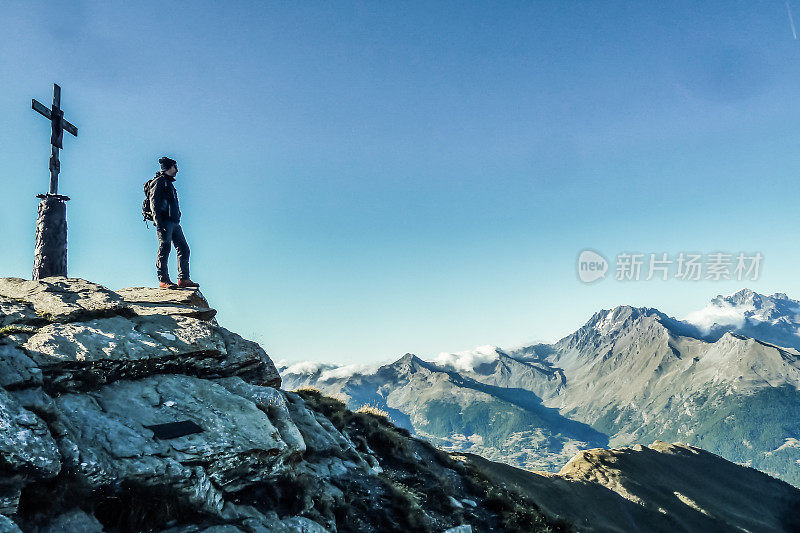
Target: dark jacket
164, 200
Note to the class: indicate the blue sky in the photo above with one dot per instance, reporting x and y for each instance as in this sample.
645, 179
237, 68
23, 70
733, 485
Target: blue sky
365, 179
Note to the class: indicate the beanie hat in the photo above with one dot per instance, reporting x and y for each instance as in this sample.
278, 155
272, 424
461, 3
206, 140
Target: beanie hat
166, 163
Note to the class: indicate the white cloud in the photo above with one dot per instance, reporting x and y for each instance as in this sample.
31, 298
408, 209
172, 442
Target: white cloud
307, 367
723, 314
468, 360
347, 371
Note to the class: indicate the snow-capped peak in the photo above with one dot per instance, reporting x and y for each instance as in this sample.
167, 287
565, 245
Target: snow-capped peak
604, 322
735, 310
750, 297
608, 321
774, 318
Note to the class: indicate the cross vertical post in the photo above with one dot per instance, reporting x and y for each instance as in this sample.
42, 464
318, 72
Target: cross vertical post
50, 254
55, 164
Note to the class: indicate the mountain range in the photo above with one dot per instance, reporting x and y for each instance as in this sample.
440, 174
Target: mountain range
724, 378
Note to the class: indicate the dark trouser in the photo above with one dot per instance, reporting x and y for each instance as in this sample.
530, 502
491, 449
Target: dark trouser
171, 233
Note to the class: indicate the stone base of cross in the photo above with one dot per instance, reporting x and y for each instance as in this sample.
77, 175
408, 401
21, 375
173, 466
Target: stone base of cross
50, 253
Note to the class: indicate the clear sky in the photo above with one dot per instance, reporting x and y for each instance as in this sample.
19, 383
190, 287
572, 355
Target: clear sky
365, 179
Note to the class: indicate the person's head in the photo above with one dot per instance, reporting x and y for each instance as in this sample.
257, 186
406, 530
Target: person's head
168, 166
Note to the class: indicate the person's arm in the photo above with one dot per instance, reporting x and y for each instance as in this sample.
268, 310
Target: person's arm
157, 201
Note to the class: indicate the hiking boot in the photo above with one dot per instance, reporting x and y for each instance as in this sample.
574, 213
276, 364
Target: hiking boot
166, 285
188, 284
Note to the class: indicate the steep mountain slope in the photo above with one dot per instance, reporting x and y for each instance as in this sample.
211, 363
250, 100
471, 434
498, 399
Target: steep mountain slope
634, 375
661, 488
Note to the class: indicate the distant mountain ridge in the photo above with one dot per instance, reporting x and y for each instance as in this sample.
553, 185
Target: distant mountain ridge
774, 319
725, 378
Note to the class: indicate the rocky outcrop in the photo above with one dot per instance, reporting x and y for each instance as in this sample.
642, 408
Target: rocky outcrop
71, 334
145, 301
86, 372
135, 410
61, 299
27, 451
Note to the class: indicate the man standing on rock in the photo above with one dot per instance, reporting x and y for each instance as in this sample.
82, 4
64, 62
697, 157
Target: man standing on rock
167, 217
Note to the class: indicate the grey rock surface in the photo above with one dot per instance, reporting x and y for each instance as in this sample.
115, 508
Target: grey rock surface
168, 297
16, 312
27, 451
145, 301
26, 446
147, 309
259, 523
319, 435
73, 521
88, 354
273, 403
59, 299
16, 368
106, 438
7, 526
69, 334
464, 528
247, 359
119, 338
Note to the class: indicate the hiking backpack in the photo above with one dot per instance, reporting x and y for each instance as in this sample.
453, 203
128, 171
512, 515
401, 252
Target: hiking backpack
148, 187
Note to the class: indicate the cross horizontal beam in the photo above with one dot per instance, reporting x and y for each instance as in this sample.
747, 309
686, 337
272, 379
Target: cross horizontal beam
41, 109
45, 112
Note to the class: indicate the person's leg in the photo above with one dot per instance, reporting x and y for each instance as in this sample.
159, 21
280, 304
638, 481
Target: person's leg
182, 247
164, 232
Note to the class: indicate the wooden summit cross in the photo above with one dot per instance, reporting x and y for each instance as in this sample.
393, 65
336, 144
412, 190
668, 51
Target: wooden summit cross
58, 124
50, 254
